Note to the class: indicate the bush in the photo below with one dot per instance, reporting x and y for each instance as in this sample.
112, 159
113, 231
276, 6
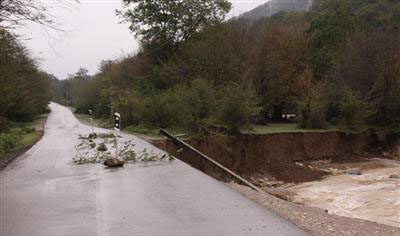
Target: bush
237, 107
355, 112
157, 111
130, 105
190, 107
197, 105
312, 116
9, 141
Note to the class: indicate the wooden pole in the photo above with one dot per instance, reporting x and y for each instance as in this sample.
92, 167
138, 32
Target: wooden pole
185, 145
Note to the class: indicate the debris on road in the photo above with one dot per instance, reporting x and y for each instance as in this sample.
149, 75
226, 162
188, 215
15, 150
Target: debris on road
103, 148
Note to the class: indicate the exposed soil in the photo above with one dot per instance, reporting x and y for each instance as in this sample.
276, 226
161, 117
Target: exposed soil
273, 157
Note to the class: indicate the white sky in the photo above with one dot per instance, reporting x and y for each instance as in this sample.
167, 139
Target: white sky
91, 33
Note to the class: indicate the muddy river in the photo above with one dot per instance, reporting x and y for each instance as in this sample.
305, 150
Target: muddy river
371, 196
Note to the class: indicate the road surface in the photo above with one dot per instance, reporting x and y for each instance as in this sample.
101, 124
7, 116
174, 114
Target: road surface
43, 193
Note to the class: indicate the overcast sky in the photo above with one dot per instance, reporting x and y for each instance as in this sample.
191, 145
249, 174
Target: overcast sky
91, 33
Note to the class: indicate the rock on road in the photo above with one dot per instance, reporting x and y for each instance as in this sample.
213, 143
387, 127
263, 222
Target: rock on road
43, 193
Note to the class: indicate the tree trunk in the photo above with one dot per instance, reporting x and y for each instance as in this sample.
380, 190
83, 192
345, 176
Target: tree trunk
277, 113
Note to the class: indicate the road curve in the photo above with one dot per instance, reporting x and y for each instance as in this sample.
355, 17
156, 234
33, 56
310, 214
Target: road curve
43, 193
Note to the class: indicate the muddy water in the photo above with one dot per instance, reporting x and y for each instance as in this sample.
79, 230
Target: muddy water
371, 196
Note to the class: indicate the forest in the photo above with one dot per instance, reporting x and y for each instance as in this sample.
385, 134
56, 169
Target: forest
337, 64
25, 90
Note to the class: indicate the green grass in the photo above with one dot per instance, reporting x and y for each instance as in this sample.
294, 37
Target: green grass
284, 128
144, 132
30, 133
30, 139
85, 119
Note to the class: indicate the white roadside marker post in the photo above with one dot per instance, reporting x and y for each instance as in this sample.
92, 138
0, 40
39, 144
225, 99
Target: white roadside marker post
117, 127
91, 119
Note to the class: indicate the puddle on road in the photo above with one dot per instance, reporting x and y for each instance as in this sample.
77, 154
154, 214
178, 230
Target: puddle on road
371, 196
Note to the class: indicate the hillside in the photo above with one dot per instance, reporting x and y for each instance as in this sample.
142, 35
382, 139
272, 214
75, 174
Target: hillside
274, 6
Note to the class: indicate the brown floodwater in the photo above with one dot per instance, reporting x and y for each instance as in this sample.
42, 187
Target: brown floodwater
371, 196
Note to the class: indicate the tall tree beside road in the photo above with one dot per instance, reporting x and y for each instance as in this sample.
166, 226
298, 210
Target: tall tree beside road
336, 65
17, 12
172, 20
162, 24
25, 90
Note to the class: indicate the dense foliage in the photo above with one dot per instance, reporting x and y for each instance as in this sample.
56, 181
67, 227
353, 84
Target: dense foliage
25, 90
338, 64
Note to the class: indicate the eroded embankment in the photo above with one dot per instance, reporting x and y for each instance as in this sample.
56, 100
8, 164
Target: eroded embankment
361, 186
271, 155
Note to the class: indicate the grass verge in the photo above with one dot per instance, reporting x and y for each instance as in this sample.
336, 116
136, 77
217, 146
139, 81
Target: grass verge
26, 135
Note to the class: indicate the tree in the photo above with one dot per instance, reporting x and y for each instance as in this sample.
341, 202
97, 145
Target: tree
355, 111
25, 90
210, 55
377, 14
328, 32
173, 21
238, 105
280, 55
82, 74
371, 68
312, 102
16, 12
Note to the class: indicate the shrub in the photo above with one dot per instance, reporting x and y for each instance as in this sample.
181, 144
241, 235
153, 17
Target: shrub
188, 106
8, 141
355, 112
131, 106
237, 107
197, 105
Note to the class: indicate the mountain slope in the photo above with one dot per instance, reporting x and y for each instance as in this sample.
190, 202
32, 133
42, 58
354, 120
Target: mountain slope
274, 6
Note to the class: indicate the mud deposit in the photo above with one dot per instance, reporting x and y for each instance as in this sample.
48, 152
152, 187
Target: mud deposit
371, 196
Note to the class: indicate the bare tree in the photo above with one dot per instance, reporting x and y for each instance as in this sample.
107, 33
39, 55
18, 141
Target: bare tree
16, 12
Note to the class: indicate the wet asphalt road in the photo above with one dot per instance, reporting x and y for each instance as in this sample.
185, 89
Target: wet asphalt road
43, 193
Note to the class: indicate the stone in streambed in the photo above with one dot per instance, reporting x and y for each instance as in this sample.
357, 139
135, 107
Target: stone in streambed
354, 171
394, 176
